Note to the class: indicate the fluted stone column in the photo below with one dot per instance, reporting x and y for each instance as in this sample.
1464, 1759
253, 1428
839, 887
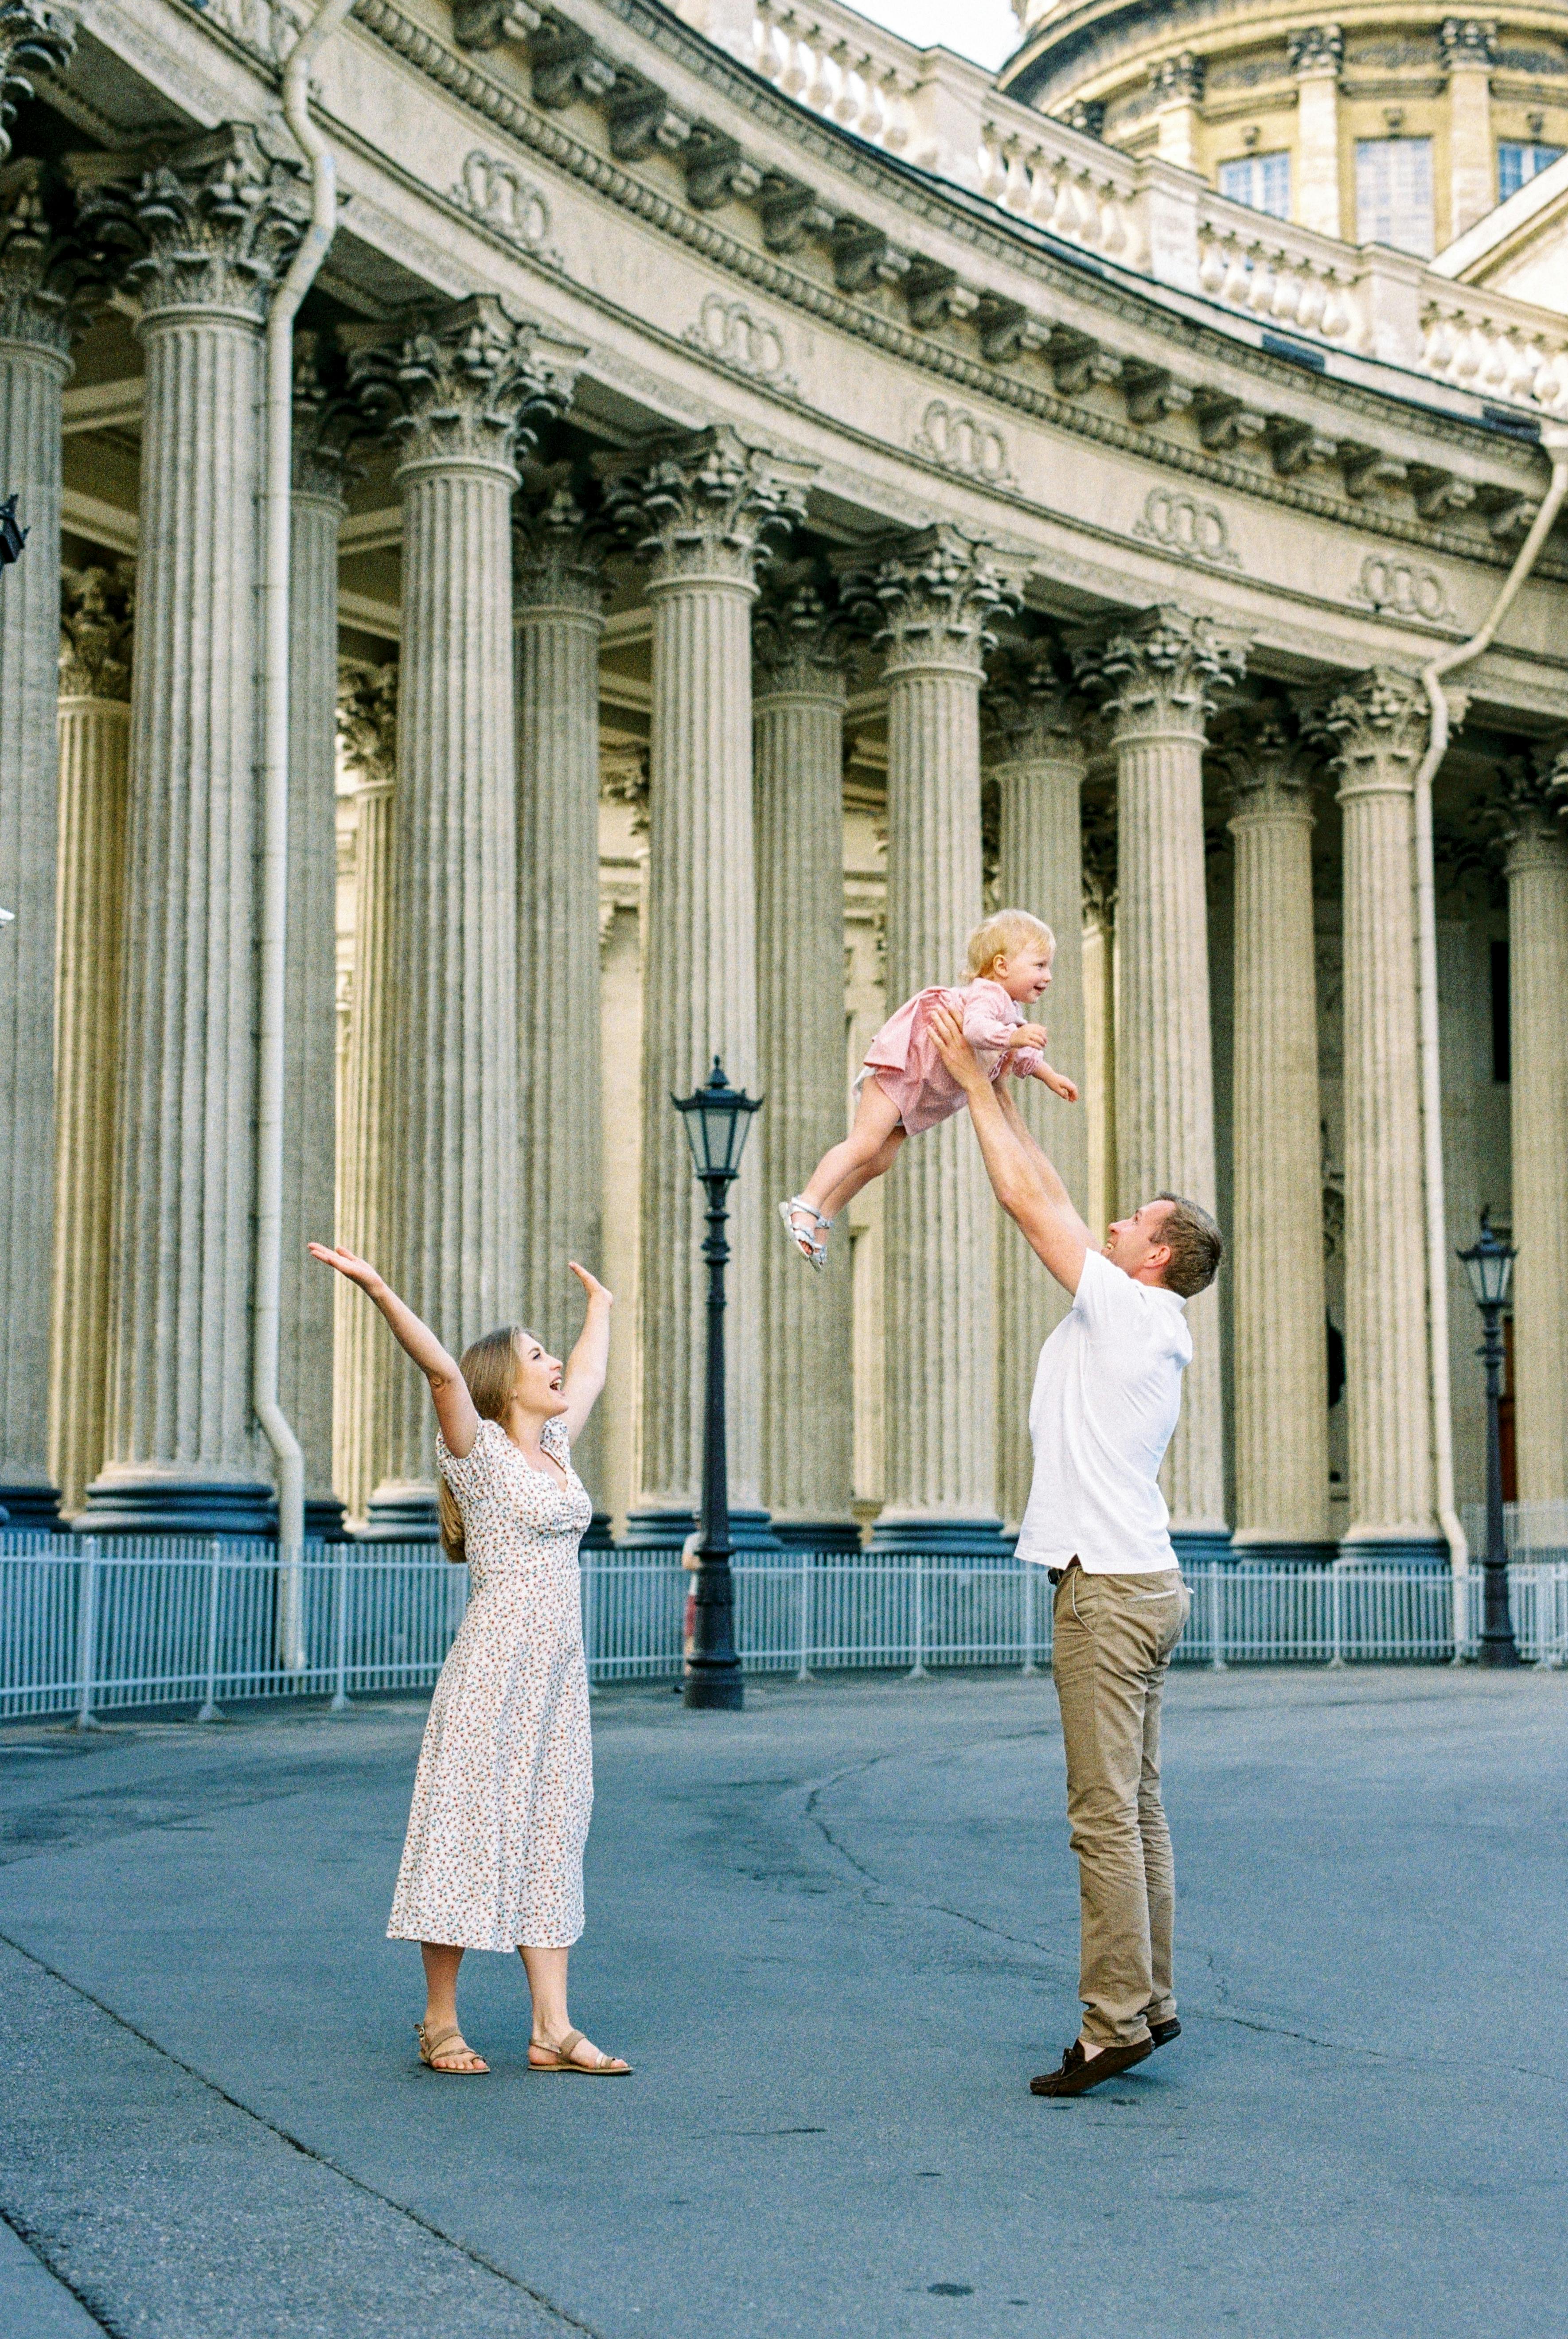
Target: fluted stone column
1537, 866
700, 514
364, 1366
459, 391
1380, 730
213, 224
936, 593
325, 424
1099, 841
807, 1380
559, 591
1280, 1410
95, 722
1035, 730
1317, 57
39, 316
1158, 674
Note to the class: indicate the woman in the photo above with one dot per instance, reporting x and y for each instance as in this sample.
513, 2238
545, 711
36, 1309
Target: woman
494, 1854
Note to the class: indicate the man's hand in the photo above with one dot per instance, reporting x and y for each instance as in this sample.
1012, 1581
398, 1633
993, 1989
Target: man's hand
956, 1054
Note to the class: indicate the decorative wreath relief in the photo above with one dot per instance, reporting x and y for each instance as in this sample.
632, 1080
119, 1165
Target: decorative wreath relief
508, 202
730, 331
1398, 587
1180, 524
961, 442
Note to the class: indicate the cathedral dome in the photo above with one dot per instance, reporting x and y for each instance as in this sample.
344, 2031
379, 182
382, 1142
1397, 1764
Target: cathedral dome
1390, 122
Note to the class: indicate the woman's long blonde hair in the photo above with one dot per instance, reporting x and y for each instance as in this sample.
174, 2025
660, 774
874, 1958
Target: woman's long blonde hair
491, 1368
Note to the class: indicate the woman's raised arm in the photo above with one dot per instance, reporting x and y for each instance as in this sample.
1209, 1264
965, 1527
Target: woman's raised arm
589, 1360
454, 1405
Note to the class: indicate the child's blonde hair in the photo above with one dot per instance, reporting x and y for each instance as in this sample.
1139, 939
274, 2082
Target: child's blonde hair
999, 936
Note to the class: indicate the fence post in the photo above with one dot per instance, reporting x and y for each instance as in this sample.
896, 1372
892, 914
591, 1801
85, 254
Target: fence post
1216, 1618
804, 1671
87, 1633
340, 1703
209, 1709
917, 1671
1337, 1616
1028, 1576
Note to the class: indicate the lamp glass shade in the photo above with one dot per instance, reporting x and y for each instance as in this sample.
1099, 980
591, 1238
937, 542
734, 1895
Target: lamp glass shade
717, 1118
1489, 1264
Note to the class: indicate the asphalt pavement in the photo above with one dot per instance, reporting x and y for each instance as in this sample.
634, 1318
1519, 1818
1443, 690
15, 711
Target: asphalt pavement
836, 1934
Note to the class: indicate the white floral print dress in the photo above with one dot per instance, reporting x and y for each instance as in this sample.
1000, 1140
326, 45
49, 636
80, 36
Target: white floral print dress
494, 1851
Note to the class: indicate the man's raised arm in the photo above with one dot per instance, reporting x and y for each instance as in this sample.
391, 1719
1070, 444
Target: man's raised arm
1024, 1179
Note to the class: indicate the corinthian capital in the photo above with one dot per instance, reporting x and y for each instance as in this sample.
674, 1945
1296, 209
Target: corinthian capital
32, 39
1379, 729
1029, 715
557, 549
368, 723
1314, 49
1467, 40
95, 620
47, 279
328, 418
1266, 764
1527, 819
799, 638
1179, 77
707, 506
211, 224
470, 383
1159, 671
936, 593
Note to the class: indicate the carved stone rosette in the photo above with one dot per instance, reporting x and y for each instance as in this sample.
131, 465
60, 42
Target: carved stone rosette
1379, 731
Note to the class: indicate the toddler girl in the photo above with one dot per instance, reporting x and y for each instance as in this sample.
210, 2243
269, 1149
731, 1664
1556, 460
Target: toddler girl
904, 1086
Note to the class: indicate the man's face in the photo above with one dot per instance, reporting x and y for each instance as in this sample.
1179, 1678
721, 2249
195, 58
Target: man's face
1136, 1245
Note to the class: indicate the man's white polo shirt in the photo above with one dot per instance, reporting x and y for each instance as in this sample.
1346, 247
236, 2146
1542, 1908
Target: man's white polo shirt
1107, 1393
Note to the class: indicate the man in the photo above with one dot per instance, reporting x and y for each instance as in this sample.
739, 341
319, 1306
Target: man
1106, 1398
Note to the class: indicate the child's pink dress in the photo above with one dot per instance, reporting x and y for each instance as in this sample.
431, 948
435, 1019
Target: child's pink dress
903, 1060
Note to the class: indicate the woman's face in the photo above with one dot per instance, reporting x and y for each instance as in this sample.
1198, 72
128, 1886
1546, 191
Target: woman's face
540, 1375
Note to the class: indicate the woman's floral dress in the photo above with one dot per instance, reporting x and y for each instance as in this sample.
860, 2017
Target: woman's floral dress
494, 1852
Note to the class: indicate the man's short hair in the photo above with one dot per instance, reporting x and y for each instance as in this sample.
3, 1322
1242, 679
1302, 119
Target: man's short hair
1196, 1245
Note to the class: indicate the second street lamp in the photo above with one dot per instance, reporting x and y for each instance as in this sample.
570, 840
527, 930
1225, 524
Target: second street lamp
1489, 1264
717, 1118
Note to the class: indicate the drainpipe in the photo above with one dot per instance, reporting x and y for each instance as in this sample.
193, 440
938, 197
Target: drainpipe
277, 490
1554, 443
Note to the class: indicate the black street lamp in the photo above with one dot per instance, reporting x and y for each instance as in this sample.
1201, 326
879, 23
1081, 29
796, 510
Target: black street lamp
1489, 1264
13, 535
716, 1118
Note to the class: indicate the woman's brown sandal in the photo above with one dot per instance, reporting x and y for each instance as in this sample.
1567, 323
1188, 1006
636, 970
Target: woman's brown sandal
561, 2058
431, 2046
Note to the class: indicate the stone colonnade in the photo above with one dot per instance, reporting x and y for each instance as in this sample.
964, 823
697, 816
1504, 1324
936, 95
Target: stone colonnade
1537, 872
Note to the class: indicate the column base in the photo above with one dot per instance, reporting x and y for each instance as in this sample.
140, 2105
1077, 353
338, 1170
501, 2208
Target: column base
402, 1512
162, 1506
1203, 1546
1395, 1551
1267, 1552
661, 1530
598, 1537
30, 1507
324, 1519
817, 1534
980, 1537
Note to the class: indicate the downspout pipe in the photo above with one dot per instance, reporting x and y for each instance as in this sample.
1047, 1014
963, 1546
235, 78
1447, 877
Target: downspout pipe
1555, 444
278, 484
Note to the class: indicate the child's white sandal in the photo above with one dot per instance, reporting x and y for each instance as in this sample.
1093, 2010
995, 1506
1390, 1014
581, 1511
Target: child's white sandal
812, 1250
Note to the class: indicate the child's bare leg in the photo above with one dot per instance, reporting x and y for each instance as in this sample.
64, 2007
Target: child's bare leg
875, 1120
848, 1187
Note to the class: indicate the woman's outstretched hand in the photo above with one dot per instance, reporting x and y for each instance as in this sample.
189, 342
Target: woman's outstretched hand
347, 1262
591, 1285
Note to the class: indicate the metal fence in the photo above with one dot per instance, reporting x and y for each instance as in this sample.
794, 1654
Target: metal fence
91, 1624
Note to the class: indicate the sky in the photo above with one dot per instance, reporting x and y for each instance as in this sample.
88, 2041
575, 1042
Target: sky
985, 30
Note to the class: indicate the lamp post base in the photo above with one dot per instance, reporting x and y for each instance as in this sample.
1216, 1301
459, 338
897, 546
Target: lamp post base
718, 1688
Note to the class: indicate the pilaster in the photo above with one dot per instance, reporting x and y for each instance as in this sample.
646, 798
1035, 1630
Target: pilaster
936, 593
1176, 84
1317, 57
1034, 731
1537, 868
463, 391
207, 228
701, 513
1379, 728
1280, 1411
1158, 674
558, 599
807, 1398
1469, 50
94, 719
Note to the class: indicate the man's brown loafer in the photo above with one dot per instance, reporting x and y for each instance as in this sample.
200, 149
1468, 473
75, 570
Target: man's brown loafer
1162, 2033
1080, 2072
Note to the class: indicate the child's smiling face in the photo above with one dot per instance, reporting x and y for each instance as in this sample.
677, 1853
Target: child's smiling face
1025, 974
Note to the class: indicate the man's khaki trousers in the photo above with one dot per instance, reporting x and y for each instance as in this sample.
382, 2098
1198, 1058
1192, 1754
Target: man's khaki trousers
1113, 1635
